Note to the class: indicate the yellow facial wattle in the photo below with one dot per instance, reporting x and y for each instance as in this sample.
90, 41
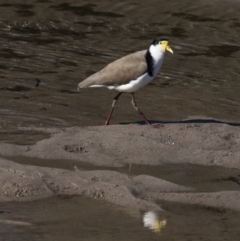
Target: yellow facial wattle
165, 46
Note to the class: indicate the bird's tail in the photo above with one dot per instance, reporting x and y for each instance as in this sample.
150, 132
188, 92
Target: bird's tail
80, 86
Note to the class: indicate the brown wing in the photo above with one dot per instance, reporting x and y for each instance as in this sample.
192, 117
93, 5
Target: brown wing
119, 72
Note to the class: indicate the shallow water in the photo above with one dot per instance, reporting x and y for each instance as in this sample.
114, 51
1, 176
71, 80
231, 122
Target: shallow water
74, 218
200, 178
62, 43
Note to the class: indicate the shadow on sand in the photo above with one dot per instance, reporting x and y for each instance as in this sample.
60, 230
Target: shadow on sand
189, 121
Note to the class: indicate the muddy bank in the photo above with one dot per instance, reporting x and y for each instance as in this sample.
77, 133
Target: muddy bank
116, 164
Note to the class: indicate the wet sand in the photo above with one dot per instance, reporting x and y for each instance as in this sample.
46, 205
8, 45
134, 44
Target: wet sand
194, 163
56, 158
188, 173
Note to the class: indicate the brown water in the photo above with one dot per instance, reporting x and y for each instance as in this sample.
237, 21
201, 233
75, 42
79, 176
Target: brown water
80, 218
61, 43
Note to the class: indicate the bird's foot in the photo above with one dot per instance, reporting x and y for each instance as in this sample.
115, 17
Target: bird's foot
157, 126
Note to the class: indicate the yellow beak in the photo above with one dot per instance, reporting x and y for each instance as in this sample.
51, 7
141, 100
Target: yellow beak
169, 49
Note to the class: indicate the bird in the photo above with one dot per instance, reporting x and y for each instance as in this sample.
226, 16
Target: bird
130, 73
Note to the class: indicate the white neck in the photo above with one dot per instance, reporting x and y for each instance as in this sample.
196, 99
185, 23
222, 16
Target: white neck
158, 57
156, 52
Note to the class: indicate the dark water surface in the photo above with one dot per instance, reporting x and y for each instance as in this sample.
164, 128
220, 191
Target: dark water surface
80, 218
61, 43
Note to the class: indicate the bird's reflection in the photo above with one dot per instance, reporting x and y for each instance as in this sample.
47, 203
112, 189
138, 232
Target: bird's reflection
152, 221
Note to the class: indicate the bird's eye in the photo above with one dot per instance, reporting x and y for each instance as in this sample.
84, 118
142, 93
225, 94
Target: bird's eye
160, 42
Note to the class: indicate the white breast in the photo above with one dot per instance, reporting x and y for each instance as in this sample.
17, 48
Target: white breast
133, 85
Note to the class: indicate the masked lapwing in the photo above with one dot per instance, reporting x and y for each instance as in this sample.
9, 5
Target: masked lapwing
130, 73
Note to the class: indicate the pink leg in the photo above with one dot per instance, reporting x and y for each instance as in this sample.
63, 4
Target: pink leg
113, 105
134, 104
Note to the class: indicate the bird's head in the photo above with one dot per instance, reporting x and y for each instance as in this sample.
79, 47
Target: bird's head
162, 42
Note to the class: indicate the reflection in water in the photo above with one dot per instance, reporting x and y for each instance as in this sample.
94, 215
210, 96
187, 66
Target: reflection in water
151, 221
69, 218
